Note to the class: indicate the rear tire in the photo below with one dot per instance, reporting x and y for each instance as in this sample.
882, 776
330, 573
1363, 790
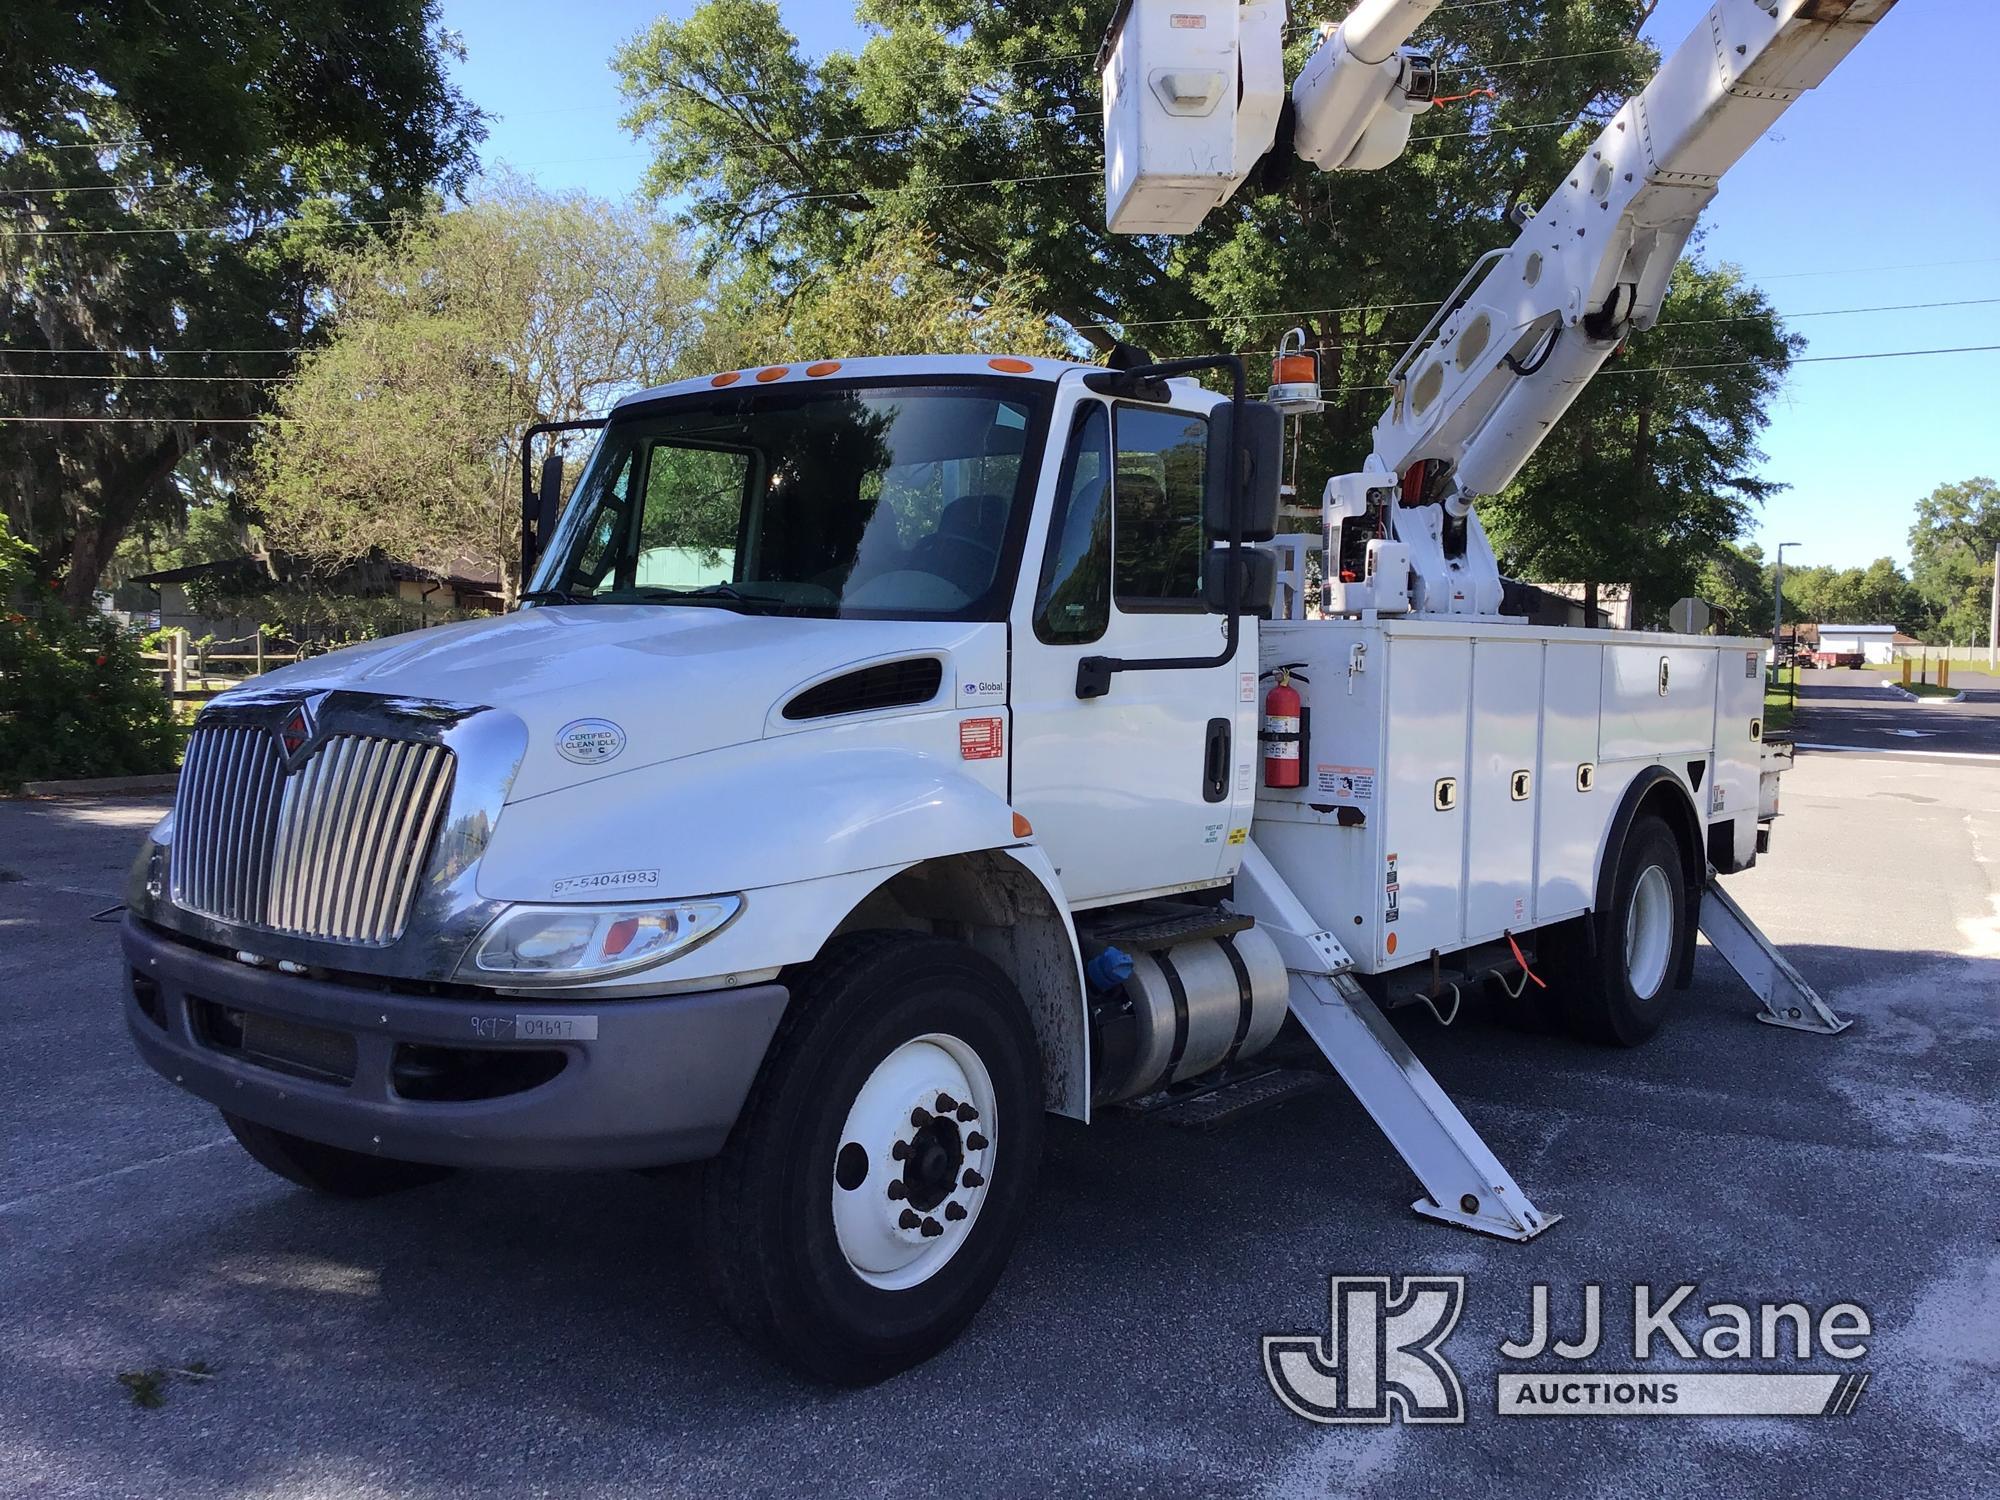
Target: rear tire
1619, 994
853, 1224
331, 1170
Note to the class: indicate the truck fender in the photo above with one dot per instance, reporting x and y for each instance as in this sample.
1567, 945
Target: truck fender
1006, 904
1655, 791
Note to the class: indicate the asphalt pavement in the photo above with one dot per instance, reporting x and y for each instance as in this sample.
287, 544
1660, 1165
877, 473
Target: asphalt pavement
1858, 710
512, 1334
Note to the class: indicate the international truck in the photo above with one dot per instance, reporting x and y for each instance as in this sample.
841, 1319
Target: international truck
890, 752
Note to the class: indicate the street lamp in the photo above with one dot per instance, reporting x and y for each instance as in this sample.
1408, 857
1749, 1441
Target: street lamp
1778, 610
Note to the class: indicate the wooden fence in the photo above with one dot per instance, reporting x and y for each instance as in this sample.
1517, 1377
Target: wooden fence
185, 666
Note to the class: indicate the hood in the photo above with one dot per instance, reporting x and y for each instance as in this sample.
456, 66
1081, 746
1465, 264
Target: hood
664, 681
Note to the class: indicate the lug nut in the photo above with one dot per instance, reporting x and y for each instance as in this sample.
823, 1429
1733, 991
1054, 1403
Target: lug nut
932, 1229
896, 1188
973, 1179
946, 1104
954, 1210
975, 1142
967, 1112
909, 1220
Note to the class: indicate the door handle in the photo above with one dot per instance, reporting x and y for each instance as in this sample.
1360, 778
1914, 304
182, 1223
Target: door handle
1215, 763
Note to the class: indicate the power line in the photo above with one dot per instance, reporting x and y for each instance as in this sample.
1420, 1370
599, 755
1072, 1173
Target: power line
1315, 312
1335, 390
1780, 314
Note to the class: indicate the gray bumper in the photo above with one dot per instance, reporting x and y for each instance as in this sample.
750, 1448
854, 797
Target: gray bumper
636, 1083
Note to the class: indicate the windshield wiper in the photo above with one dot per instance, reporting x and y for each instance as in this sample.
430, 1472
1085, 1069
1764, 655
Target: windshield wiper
553, 596
723, 593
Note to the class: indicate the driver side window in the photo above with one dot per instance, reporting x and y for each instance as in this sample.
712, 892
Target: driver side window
1073, 601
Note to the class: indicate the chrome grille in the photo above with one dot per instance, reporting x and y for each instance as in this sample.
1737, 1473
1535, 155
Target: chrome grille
332, 850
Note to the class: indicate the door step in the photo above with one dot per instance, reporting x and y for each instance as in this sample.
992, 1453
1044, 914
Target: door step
1151, 931
1208, 1106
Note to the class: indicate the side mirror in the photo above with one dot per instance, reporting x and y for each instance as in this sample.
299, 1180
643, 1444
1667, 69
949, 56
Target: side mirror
549, 500
1257, 580
1261, 440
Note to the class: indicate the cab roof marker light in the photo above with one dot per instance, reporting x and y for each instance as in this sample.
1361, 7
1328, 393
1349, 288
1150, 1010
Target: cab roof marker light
1008, 365
824, 367
729, 377
773, 372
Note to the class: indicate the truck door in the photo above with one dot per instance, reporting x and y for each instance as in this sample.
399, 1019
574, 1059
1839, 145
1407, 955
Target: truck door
1137, 790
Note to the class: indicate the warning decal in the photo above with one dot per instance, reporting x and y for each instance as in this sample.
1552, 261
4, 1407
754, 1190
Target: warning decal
979, 739
1345, 783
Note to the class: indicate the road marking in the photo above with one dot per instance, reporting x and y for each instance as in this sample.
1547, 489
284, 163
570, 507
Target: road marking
137, 1166
1885, 750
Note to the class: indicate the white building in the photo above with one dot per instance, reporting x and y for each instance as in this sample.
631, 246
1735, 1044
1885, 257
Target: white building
1876, 643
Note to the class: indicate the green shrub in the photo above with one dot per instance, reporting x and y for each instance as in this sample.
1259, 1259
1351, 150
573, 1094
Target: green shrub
75, 697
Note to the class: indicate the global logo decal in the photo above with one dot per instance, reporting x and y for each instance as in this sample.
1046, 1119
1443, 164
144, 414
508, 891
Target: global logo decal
589, 742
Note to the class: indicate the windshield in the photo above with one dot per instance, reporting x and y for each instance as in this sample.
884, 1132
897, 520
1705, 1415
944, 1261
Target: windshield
878, 502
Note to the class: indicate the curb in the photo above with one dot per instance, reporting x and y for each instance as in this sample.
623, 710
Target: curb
98, 786
1909, 697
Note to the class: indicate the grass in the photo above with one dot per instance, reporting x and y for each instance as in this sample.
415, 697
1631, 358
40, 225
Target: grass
1926, 689
1779, 698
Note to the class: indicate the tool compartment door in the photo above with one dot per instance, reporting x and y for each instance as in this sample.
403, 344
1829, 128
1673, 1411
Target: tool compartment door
1423, 858
1570, 814
1502, 787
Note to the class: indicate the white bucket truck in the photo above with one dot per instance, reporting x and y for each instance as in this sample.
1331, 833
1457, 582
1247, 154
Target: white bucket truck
881, 761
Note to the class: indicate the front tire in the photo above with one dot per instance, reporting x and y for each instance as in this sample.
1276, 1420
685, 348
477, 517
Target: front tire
880, 1173
331, 1170
1619, 993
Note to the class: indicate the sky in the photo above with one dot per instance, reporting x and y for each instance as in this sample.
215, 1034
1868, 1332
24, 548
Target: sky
1880, 188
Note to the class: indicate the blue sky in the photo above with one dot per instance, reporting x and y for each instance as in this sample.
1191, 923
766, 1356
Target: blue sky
1882, 187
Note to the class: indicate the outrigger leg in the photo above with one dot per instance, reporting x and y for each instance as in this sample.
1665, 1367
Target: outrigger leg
1788, 1000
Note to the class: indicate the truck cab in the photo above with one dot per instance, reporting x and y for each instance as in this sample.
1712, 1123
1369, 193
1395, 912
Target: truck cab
793, 722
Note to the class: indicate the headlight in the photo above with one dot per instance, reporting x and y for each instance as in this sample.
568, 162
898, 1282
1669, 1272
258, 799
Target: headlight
163, 831
565, 944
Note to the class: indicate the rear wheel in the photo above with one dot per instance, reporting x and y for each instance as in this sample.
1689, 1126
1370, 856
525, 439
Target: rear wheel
871, 1192
1619, 993
332, 1170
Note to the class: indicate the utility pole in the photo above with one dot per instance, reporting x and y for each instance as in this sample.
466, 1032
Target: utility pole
1993, 621
1778, 611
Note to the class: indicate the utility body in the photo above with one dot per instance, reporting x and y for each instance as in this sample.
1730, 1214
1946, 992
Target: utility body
892, 750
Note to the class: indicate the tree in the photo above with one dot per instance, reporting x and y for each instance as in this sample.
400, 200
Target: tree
1737, 583
1649, 475
400, 436
892, 297
1951, 555
169, 207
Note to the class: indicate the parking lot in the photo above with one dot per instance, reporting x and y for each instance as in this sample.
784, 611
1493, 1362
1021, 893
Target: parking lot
524, 1335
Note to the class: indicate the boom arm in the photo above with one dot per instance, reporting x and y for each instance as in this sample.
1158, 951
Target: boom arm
1506, 356
1531, 324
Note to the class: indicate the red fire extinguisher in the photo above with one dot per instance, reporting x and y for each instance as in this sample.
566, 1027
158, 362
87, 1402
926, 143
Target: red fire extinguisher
1282, 709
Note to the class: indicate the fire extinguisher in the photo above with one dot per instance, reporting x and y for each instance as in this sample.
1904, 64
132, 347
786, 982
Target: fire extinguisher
1282, 733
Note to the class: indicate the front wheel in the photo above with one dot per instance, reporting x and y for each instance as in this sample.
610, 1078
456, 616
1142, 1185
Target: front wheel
874, 1186
1618, 994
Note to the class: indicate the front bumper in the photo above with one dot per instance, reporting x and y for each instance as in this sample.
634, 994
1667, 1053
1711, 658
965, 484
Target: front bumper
499, 1082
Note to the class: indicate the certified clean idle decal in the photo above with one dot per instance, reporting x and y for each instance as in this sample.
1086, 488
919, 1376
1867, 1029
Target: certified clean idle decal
589, 742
